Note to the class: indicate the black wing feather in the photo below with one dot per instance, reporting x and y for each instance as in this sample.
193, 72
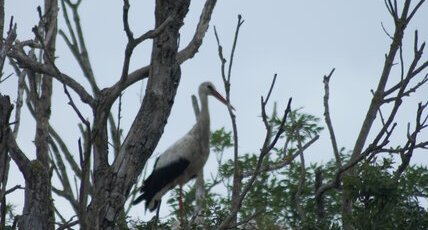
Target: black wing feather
159, 179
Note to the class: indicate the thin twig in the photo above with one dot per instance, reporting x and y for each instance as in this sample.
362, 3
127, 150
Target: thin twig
385, 31
285, 162
232, 53
68, 224
270, 89
73, 105
116, 133
13, 189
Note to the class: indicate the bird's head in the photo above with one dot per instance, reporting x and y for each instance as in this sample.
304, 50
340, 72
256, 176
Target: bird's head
208, 88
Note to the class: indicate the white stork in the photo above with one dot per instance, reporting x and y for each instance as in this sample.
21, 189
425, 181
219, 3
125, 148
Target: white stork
183, 160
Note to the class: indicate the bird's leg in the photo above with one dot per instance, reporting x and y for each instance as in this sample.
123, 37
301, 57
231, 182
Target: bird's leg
157, 213
181, 206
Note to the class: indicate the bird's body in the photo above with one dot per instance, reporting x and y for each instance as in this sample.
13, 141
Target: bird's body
183, 160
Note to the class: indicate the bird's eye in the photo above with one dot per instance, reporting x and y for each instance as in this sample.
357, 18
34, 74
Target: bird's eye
210, 87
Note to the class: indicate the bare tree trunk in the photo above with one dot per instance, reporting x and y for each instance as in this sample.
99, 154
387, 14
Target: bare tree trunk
4, 120
38, 210
115, 183
38, 207
5, 111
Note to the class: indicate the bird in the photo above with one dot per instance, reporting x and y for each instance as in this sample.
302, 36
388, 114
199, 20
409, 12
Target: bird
183, 160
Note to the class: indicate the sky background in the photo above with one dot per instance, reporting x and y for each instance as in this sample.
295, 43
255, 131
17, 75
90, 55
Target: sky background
299, 40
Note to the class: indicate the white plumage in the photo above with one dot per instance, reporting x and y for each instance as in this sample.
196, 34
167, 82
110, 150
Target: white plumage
185, 158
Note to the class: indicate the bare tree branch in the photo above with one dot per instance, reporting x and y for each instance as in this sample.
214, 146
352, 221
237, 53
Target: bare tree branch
1, 24
15, 152
68, 224
132, 42
237, 173
328, 119
5, 45
401, 23
14, 188
27, 62
19, 101
410, 146
64, 149
78, 45
302, 180
61, 171
285, 162
415, 9
190, 50
185, 54
265, 150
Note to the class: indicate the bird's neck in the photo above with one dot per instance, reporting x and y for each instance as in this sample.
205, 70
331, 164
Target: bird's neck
204, 118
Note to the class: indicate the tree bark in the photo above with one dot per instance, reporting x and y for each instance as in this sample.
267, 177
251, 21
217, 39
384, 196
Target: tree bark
38, 210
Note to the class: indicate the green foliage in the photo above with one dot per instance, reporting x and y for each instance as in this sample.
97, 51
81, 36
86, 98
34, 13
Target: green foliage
137, 224
383, 202
221, 140
380, 200
301, 126
214, 207
10, 215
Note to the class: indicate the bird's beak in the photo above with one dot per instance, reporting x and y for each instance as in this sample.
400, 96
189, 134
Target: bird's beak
221, 98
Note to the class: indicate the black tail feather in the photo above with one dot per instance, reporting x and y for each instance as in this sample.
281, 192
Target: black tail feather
147, 194
138, 200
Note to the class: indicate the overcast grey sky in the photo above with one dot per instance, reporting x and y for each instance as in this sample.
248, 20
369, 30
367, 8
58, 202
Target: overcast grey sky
299, 40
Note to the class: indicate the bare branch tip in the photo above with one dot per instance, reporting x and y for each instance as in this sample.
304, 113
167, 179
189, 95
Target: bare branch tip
39, 10
289, 100
289, 104
326, 78
11, 24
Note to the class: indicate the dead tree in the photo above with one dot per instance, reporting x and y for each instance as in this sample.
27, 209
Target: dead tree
107, 185
411, 79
